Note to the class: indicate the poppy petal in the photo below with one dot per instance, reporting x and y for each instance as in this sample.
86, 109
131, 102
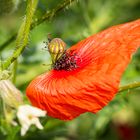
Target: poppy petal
101, 60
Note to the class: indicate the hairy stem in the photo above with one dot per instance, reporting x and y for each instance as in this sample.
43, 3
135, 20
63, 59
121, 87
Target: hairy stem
38, 21
53, 12
129, 86
23, 34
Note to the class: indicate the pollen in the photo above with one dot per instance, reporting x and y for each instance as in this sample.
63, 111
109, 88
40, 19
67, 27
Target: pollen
68, 61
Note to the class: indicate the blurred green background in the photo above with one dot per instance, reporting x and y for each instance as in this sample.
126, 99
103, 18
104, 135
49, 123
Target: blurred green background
120, 120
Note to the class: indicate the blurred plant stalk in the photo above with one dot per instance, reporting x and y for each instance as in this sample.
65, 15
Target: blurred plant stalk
11, 97
38, 21
23, 34
129, 86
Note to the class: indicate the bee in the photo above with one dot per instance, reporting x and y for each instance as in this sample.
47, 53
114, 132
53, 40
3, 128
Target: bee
56, 48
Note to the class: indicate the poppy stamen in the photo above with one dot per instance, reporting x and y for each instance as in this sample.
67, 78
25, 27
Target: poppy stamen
68, 62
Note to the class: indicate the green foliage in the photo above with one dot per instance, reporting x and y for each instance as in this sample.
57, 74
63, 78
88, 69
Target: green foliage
22, 37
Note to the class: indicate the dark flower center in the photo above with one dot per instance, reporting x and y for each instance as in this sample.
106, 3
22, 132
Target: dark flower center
68, 61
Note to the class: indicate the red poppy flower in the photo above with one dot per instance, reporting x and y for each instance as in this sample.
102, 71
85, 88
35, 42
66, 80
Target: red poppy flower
87, 75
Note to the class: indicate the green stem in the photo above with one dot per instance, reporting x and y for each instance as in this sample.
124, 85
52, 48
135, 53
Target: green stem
38, 21
53, 12
23, 34
129, 86
14, 70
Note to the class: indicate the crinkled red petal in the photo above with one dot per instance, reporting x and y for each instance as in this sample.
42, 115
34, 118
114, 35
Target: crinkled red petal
104, 57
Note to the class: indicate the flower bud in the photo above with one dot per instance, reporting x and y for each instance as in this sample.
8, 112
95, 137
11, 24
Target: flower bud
10, 94
56, 48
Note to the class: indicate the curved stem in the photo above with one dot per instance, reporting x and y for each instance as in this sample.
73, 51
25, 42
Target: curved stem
38, 21
129, 86
23, 34
53, 12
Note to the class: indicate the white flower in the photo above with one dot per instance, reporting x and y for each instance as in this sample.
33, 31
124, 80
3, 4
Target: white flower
10, 94
28, 115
